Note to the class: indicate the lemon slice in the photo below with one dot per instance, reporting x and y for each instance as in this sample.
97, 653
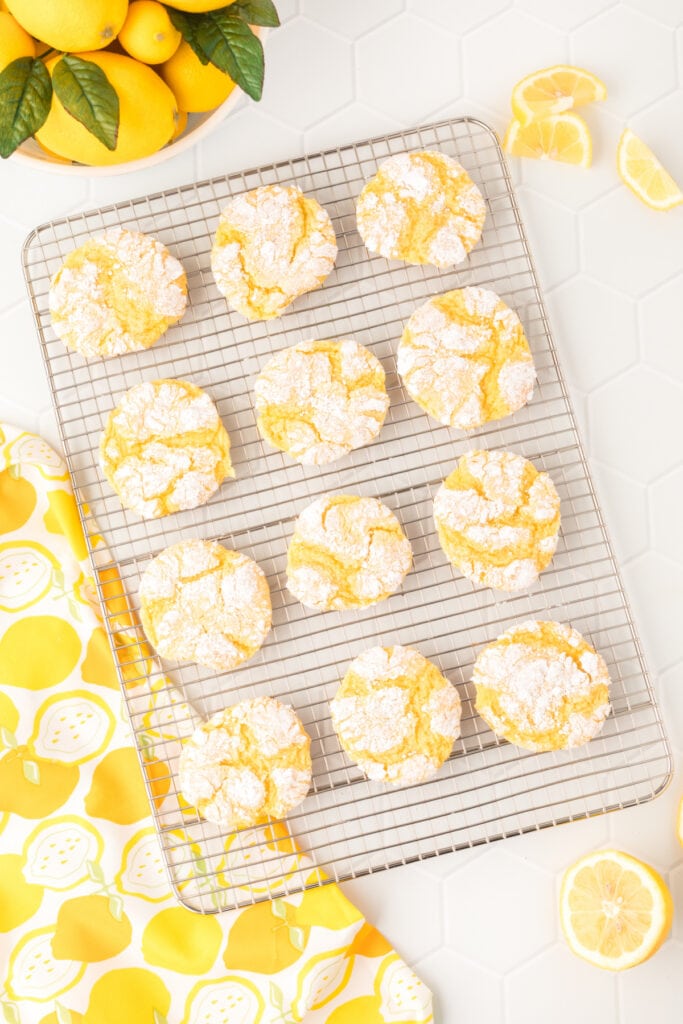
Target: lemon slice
640, 169
557, 137
553, 91
615, 910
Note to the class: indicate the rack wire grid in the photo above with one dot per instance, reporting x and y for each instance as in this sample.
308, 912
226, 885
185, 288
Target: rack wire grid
488, 789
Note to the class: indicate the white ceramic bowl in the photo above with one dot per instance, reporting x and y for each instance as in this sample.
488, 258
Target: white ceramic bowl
198, 126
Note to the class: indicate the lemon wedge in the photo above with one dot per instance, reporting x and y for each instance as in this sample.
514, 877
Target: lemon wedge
555, 90
640, 169
615, 911
556, 137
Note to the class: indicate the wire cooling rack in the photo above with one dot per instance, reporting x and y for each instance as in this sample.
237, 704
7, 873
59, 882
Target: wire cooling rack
348, 825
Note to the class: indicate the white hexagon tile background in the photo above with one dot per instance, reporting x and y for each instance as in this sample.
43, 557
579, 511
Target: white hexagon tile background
481, 927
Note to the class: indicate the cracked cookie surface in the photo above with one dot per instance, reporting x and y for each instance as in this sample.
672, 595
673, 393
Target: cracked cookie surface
202, 602
465, 360
247, 764
346, 552
498, 519
272, 244
117, 293
396, 715
542, 686
319, 400
164, 448
421, 207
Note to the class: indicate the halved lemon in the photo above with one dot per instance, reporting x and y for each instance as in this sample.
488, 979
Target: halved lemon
557, 137
554, 90
615, 910
640, 169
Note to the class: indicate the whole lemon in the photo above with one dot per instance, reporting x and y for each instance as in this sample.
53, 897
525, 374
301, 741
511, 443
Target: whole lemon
73, 25
198, 5
196, 86
148, 34
147, 115
14, 41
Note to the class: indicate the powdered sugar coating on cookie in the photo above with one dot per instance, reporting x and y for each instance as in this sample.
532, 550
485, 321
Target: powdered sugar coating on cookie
319, 400
396, 715
465, 360
542, 686
117, 293
347, 552
164, 448
247, 764
421, 207
272, 245
498, 519
204, 603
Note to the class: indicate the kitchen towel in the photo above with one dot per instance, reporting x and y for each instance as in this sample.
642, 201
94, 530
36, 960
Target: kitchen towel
89, 928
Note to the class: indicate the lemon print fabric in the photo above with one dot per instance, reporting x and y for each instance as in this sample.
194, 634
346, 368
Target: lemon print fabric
498, 519
164, 448
465, 360
272, 245
90, 927
421, 207
247, 764
542, 686
202, 602
396, 715
117, 293
347, 552
319, 400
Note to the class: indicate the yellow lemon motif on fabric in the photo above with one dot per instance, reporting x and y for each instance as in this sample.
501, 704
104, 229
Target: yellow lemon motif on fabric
17, 501
130, 995
29, 450
323, 977
27, 572
18, 899
33, 787
263, 940
98, 666
403, 996
73, 1018
84, 591
369, 942
228, 1001
35, 974
244, 849
72, 728
117, 792
326, 907
362, 1008
88, 930
142, 870
38, 651
182, 941
9, 716
62, 517
56, 853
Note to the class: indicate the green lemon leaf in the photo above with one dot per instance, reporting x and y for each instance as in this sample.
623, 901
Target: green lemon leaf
277, 998
95, 872
63, 1014
7, 738
187, 25
87, 94
159, 1017
116, 907
25, 96
230, 44
10, 1013
297, 937
256, 12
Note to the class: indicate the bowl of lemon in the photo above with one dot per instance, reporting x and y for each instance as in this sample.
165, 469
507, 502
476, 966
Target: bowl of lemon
96, 87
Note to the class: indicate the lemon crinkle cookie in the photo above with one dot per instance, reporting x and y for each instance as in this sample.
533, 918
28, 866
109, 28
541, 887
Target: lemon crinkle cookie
421, 207
319, 400
272, 245
247, 764
164, 448
498, 519
202, 602
396, 715
541, 686
346, 552
465, 360
117, 293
